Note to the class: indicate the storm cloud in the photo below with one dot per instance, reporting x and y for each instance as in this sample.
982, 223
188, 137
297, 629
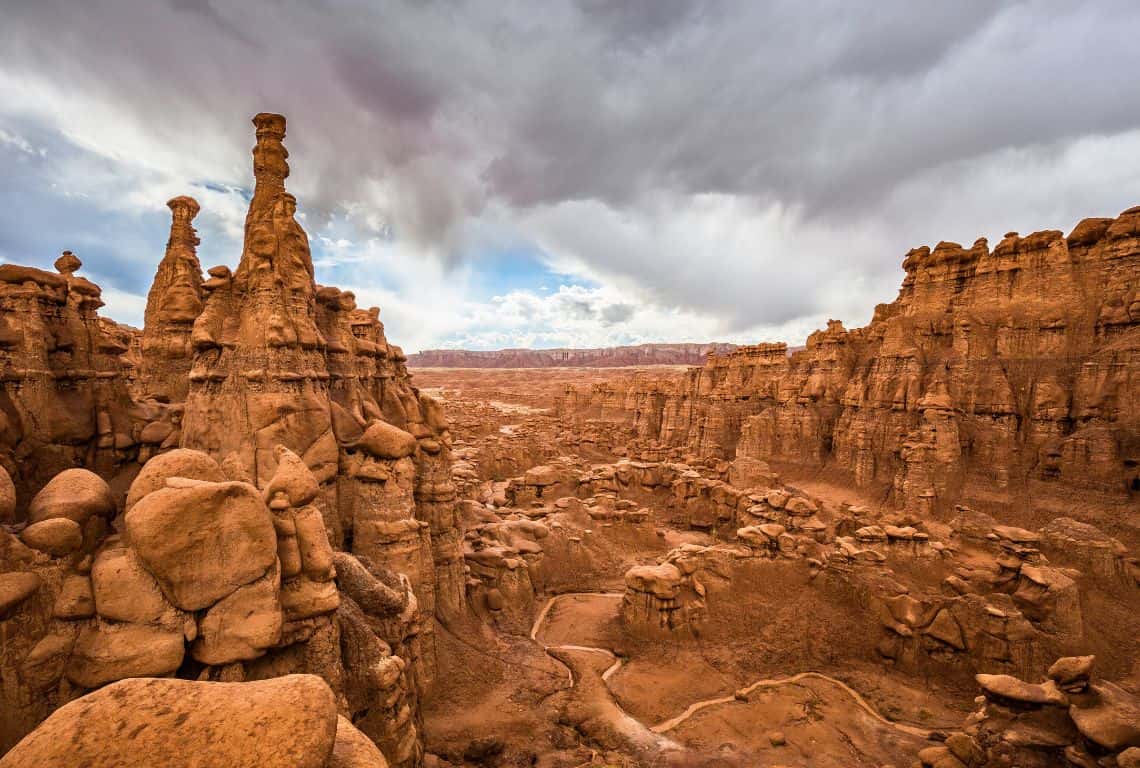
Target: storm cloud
750, 167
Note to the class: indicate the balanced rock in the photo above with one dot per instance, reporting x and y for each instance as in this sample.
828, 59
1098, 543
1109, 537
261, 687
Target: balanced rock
1072, 673
1009, 688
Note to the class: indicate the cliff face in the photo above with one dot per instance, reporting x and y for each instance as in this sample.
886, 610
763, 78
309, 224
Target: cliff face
607, 357
64, 398
992, 368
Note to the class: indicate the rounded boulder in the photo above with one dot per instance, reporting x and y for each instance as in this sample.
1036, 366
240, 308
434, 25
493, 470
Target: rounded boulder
387, 441
202, 541
57, 536
77, 494
181, 462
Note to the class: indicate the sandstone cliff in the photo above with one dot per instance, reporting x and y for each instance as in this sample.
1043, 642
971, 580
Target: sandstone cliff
606, 357
1016, 368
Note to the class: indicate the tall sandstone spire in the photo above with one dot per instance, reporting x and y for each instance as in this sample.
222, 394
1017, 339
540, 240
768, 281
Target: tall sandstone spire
259, 377
279, 360
172, 306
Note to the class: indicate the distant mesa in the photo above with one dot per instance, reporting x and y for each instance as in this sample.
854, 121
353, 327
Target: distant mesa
601, 357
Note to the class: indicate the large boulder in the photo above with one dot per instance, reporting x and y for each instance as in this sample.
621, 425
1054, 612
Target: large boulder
76, 494
124, 590
286, 722
182, 462
202, 540
353, 749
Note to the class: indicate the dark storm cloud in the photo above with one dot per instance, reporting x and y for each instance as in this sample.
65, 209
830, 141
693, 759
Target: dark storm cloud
617, 313
754, 161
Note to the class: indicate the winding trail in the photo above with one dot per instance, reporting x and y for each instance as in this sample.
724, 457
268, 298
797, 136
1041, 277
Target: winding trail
692, 709
588, 648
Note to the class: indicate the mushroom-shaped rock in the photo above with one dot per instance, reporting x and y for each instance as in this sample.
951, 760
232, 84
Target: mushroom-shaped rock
57, 536
203, 541
1072, 671
293, 478
68, 263
181, 462
663, 581
386, 441
285, 722
76, 494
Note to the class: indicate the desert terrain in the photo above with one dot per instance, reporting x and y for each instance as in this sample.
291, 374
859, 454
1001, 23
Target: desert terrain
249, 535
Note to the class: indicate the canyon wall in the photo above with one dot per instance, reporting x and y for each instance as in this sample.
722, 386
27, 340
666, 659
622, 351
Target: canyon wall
606, 357
993, 369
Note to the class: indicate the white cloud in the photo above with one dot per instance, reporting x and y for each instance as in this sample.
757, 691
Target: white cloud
727, 170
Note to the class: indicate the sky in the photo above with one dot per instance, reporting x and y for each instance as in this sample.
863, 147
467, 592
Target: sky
579, 173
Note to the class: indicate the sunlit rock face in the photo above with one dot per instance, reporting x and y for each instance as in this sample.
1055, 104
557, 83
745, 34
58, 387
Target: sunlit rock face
998, 368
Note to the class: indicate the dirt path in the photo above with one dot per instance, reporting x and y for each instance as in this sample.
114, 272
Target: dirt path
696, 707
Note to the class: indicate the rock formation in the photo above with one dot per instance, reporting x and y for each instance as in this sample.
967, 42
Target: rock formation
64, 396
279, 360
606, 357
246, 518
1013, 369
1069, 719
172, 306
211, 579
289, 722
180, 495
